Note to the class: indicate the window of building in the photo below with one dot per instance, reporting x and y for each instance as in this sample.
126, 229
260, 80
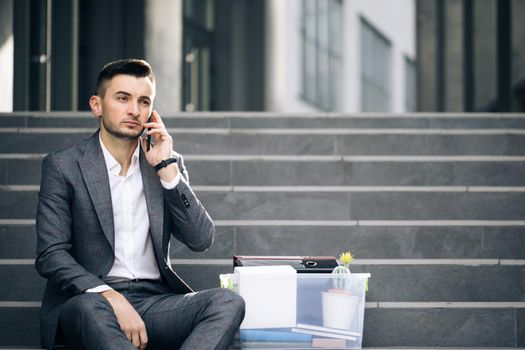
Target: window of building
375, 70
321, 30
410, 85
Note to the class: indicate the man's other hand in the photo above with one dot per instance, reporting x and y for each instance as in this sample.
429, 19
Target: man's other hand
129, 320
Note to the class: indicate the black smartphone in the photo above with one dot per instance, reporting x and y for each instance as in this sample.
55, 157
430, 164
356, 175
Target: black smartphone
148, 137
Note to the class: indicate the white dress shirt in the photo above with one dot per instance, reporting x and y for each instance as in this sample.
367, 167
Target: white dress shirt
134, 255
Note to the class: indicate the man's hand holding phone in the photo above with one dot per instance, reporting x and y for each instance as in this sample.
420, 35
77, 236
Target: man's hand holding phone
158, 146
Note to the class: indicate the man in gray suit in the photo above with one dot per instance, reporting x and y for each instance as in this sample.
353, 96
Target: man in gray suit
107, 209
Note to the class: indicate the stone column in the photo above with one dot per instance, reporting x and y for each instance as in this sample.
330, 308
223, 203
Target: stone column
426, 55
163, 50
485, 59
453, 56
6, 55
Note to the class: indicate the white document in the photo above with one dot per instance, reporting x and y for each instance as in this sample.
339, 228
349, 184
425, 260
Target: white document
270, 293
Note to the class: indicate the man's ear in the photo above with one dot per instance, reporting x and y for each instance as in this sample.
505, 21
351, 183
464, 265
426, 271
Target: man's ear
95, 103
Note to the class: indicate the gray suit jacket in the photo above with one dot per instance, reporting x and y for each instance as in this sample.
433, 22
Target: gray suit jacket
74, 223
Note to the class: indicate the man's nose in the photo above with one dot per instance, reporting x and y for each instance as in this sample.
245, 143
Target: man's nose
133, 109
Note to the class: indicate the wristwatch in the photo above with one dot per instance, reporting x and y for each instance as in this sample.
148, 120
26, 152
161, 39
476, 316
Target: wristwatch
165, 163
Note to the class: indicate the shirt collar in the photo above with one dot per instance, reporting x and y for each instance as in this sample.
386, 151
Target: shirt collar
111, 163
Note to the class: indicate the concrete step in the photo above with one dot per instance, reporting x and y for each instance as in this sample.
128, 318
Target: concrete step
366, 242
20, 326
407, 283
419, 281
384, 327
295, 142
431, 205
320, 205
333, 204
25, 169
272, 120
18, 241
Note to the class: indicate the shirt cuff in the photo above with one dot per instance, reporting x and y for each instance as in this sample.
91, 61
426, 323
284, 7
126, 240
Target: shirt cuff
171, 185
98, 289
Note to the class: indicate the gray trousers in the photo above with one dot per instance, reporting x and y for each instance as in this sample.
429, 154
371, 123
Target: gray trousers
207, 319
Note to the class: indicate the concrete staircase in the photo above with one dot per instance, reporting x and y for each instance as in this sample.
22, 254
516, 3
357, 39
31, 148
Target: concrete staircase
433, 206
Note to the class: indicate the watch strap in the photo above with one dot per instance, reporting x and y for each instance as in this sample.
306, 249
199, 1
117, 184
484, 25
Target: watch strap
165, 163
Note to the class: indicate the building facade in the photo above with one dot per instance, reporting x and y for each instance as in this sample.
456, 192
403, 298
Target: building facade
471, 55
257, 55
270, 55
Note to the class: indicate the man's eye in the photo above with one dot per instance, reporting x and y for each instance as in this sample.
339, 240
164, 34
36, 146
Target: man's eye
122, 98
146, 102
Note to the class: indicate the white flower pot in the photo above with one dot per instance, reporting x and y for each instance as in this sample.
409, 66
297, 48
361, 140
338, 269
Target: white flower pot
339, 309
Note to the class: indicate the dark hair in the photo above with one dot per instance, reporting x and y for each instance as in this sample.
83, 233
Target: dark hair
128, 66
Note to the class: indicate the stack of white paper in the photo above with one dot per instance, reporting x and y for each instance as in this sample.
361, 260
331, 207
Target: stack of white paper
270, 293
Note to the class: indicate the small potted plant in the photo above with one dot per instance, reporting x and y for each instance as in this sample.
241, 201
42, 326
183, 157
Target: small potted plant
341, 280
339, 305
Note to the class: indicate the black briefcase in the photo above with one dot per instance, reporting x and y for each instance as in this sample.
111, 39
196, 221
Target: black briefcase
303, 264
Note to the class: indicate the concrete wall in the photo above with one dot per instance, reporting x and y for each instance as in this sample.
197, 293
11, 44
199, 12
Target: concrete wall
395, 19
6, 56
163, 49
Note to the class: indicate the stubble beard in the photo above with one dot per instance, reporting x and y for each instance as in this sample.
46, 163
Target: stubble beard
117, 132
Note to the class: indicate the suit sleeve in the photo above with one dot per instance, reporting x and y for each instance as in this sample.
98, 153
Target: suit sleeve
190, 221
54, 234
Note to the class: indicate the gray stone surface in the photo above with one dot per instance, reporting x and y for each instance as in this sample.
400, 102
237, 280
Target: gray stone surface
88, 121
388, 144
254, 144
440, 327
21, 171
18, 205
209, 173
38, 143
416, 283
21, 283
201, 277
384, 242
395, 122
316, 173
520, 327
267, 121
430, 145
364, 206
328, 205
276, 205
389, 283
437, 206
440, 283
385, 328
19, 327
448, 327
28, 171
223, 247
17, 242
343, 173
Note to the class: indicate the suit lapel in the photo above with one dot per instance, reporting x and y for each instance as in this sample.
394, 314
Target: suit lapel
95, 174
154, 199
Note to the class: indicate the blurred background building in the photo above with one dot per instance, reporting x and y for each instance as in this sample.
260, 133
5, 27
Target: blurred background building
270, 55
